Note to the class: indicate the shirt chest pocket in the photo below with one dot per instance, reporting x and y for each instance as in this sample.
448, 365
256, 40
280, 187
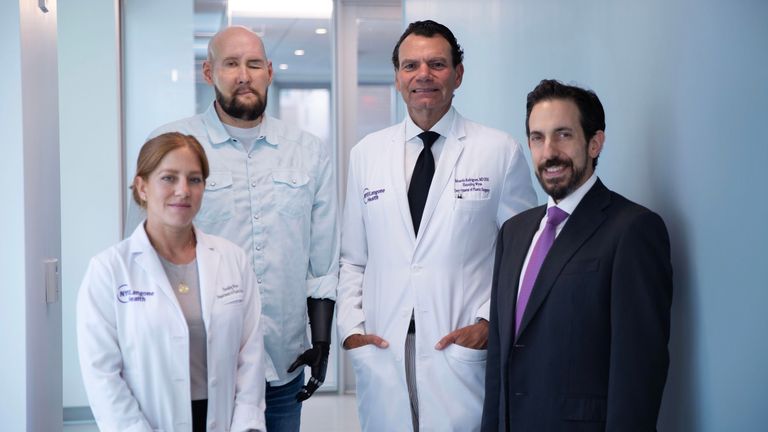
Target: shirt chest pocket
218, 199
292, 192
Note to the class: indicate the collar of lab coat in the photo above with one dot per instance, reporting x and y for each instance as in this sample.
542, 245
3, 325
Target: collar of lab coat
454, 145
208, 258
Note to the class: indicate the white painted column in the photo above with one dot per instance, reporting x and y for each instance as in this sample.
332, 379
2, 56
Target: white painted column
30, 327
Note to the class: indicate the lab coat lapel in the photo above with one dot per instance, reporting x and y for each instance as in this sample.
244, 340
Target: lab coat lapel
146, 257
579, 227
208, 260
443, 173
397, 170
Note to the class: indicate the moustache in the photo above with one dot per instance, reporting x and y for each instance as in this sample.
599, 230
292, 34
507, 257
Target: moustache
555, 162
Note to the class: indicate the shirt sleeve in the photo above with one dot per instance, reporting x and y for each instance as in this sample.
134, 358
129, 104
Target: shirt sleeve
323, 271
354, 256
517, 192
101, 361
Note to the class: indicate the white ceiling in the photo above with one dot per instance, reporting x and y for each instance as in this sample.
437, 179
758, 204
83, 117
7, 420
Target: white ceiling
283, 36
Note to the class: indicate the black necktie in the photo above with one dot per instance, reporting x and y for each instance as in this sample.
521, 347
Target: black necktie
422, 178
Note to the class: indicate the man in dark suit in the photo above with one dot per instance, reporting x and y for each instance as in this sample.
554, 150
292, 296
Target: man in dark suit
582, 289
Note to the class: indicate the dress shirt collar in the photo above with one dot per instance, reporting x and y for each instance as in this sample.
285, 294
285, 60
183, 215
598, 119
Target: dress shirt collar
569, 203
443, 126
219, 135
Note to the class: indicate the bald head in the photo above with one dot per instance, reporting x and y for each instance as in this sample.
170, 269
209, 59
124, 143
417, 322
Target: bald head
234, 36
240, 73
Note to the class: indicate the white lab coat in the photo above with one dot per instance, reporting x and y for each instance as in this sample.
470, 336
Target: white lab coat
443, 275
133, 339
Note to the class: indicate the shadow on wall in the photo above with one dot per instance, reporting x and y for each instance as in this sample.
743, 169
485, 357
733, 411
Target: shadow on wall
679, 407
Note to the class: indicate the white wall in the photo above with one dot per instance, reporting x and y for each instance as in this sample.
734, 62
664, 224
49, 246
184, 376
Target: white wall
91, 187
12, 248
30, 226
158, 39
684, 86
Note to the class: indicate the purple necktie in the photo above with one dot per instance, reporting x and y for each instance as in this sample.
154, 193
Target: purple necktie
555, 216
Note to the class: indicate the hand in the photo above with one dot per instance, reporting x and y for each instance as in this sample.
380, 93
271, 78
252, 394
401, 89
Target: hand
317, 359
473, 336
358, 340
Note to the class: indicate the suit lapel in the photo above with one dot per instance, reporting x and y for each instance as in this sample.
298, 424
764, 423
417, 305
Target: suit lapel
587, 217
515, 249
397, 174
208, 260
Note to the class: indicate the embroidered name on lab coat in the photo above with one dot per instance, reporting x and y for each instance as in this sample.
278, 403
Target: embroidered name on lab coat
230, 294
127, 295
372, 195
472, 187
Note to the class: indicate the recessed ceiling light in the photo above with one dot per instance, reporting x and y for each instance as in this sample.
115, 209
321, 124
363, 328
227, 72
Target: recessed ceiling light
321, 30
282, 9
299, 52
282, 66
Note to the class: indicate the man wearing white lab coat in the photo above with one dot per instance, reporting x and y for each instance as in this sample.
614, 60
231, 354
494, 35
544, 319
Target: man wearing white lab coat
415, 282
134, 346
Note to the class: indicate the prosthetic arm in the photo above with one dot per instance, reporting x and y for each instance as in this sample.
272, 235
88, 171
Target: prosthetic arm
320, 313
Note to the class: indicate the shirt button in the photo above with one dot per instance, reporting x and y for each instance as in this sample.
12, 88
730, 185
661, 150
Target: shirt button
258, 248
253, 184
250, 156
293, 180
258, 280
213, 183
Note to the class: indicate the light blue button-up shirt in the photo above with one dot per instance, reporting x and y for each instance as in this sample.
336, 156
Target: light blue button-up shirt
277, 200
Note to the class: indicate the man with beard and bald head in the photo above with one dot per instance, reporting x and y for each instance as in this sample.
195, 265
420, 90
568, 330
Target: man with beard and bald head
582, 289
272, 191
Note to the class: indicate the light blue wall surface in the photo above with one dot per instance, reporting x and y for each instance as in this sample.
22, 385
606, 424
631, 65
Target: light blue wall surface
685, 89
91, 187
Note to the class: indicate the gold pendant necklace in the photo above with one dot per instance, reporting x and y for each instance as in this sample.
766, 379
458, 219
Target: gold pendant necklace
183, 288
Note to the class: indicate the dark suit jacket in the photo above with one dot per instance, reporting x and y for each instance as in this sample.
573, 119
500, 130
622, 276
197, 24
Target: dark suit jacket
592, 351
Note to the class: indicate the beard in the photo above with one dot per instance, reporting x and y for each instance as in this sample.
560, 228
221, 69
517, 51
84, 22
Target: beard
562, 187
234, 108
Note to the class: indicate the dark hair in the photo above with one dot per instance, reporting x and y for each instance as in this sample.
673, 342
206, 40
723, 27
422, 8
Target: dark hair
591, 113
429, 28
154, 150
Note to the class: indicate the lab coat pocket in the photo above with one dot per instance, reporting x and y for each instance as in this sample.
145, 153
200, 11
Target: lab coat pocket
466, 355
375, 369
291, 188
471, 203
218, 199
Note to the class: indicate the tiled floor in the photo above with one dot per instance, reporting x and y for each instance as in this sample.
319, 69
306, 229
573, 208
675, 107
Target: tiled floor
322, 413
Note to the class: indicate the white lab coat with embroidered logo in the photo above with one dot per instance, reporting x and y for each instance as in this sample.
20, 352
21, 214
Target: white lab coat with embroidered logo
134, 346
442, 276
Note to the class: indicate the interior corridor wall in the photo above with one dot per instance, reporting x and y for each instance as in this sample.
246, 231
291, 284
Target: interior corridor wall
30, 327
91, 161
684, 87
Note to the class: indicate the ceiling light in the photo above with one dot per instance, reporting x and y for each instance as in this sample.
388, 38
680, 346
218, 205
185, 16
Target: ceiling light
298, 52
321, 30
281, 9
282, 66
